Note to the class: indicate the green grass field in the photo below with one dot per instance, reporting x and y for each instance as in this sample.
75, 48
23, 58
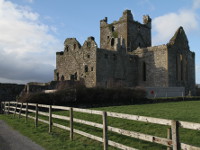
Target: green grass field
59, 139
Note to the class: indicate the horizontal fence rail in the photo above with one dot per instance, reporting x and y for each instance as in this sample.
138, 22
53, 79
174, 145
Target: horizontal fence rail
172, 141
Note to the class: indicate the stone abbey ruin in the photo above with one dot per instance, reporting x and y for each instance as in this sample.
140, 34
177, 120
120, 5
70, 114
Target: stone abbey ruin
127, 58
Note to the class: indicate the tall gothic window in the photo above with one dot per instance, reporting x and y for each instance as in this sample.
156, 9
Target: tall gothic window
177, 68
144, 71
181, 62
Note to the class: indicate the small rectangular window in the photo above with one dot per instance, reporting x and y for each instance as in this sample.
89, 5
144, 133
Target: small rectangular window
86, 68
92, 68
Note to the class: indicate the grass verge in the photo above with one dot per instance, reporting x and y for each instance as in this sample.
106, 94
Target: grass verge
59, 139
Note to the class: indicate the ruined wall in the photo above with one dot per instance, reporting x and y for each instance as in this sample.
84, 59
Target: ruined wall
132, 32
153, 66
116, 68
181, 62
139, 35
77, 62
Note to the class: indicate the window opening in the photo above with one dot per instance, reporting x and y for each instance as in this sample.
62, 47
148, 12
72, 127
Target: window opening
144, 71
62, 78
57, 75
74, 46
112, 42
67, 48
113, 28
86, 68
181, 62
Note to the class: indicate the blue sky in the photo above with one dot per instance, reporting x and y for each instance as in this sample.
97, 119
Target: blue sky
33, 30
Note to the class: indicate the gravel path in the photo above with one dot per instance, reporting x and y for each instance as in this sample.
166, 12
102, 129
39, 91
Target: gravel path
13, 140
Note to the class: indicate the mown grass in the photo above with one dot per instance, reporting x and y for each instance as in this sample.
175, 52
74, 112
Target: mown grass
59, 139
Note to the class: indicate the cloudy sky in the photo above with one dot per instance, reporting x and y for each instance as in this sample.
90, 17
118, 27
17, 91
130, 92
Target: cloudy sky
31, 31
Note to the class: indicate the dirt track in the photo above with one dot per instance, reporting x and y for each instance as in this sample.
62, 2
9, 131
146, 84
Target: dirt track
13, 140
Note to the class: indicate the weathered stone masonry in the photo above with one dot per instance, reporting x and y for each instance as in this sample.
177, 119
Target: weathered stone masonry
127, 58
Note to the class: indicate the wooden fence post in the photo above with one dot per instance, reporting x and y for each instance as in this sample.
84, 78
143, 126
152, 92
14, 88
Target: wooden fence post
15, 109
36, 115
26, 112
169, 136
175, 135
50, 118
20, 111
1, 108
105, 131
8, 107
4, 107
71, 124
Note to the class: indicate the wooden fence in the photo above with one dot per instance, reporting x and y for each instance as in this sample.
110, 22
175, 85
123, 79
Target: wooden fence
172, 142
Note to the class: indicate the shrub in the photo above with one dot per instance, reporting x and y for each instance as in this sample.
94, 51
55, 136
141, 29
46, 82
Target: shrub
82, 96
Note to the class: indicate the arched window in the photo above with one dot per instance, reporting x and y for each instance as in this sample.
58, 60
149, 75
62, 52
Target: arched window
181, 62
177, 67
144, 71
112, 42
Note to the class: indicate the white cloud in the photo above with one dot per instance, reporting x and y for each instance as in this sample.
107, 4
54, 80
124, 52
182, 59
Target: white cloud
165, 26
196, 4
29, 1
27, 49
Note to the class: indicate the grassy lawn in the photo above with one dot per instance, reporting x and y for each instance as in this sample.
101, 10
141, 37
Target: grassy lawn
59, 139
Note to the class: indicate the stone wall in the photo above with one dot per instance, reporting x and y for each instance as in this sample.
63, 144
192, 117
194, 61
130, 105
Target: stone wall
77, 62
132, 32
126, 58
116, 68
152, 64
181, 62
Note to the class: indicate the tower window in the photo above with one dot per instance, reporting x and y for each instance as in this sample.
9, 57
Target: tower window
144, 71
113, 28
88, 56
88, 44
67, 48
74, 46
112, 42
92, 68
86, 68
108, 37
